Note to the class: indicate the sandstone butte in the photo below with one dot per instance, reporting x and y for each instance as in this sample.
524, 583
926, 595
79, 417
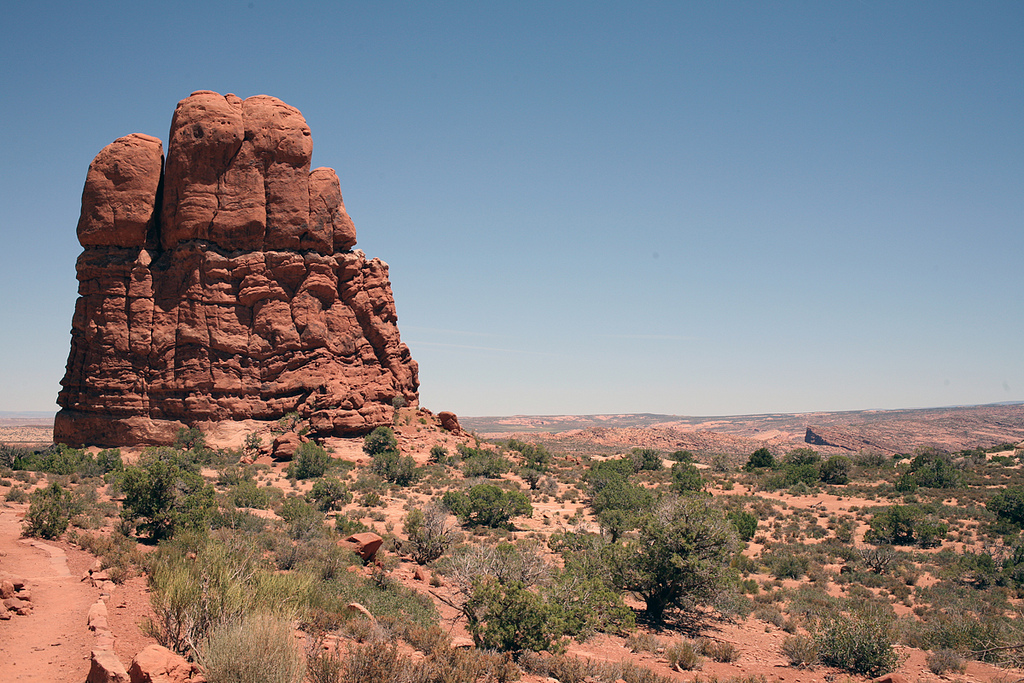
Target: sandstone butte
223, 285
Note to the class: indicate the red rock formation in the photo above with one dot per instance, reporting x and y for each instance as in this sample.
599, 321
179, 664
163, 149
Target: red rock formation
223, 286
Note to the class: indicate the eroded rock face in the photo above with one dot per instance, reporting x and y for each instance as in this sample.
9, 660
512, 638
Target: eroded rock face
223, 286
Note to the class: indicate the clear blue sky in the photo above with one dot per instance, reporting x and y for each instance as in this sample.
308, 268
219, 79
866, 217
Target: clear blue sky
679, 207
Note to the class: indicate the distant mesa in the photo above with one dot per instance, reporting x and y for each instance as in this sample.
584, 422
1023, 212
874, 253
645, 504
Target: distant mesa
222, 285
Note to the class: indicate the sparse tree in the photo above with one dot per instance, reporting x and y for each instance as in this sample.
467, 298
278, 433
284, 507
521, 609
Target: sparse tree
429, 533
680, 557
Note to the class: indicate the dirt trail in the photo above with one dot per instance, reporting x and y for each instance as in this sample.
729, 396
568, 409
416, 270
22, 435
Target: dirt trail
52, 644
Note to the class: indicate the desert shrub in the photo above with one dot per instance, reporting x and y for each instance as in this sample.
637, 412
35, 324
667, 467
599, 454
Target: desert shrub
861, 644
535, 456
684, 655
744, 522
51, 511
301, 519
162, 494
16, 494
802, 456
647, 459
487, 505
508, 617
680, 557
878, 559
643, 642
198, 583
930, 468
943, 661
686, 478
871, 459
428, 639
438, 454
835, 470
584, 588
375, 662
484, 463
719, 651
1008, 505
258, 648
760, 459
329, 493
253, 445
801, 651
787, 565
616, 500
118, 554
398, 469
905, 525
428, 532
603, 472
248, 494
189, 438
310, 461
9, 455
531, 476
380, 440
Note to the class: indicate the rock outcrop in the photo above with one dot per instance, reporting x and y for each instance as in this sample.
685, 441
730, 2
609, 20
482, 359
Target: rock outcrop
223, 285
838, 437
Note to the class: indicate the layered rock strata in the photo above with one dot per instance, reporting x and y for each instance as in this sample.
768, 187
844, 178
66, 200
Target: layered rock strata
223, 285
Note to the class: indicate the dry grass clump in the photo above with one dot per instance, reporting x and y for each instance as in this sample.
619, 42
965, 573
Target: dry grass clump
569, 669
643, 642
684, 655
801, 651
258, 648
719, 651
944, 661
379, 661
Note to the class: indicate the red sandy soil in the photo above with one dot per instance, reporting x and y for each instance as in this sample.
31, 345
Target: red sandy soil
53, 643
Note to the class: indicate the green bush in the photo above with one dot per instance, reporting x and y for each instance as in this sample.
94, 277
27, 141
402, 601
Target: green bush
836, 470
487, 505
680, 557
510, 618
484, 463
248, 494
646, 459
391, 466
329, 493
906, 525
745, 523
1008, 505
686, 478
162, 495
380, 440
860, 644
786, 565
930, 468
535, 456
438, 454
617, 501
51, 511
189, 438
760, 459
310, 462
